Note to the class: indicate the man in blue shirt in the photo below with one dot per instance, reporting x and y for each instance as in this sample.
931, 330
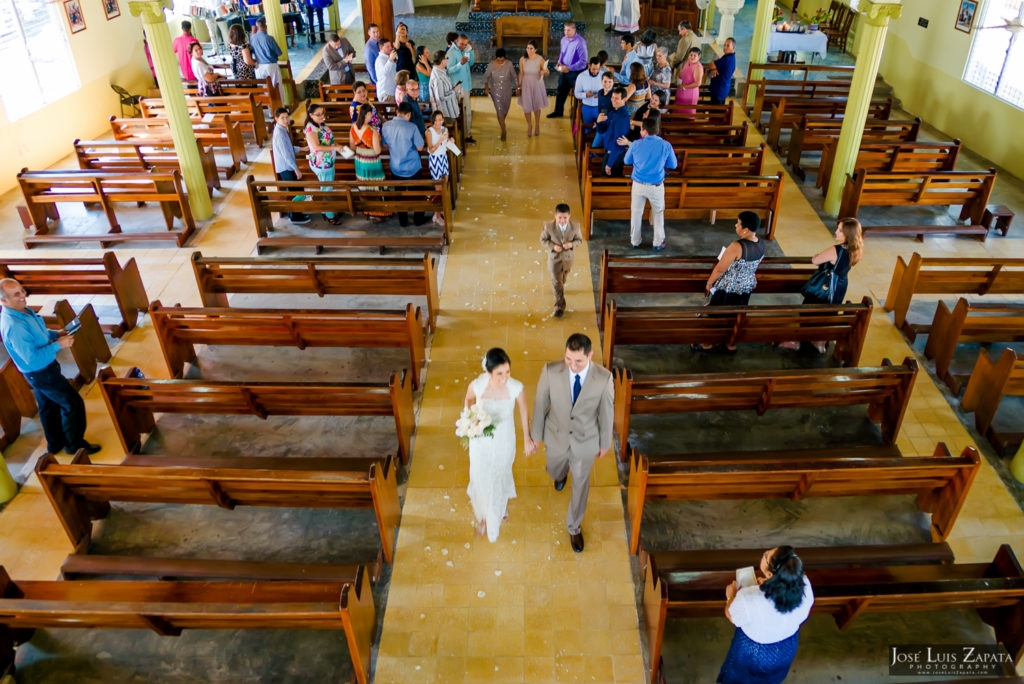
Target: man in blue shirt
266, 51
572, 60
613, 128
371, 50
460, 61
650, 156
628, 57
405, 142
33, 349
286, 166
721, 71
587, 89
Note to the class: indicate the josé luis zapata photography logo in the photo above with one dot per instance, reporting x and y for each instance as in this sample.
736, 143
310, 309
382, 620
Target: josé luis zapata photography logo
963, 660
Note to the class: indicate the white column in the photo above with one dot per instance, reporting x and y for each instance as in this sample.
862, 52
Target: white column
728, 10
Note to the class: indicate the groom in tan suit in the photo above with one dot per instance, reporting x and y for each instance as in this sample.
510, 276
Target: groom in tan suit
560, 237
573, 416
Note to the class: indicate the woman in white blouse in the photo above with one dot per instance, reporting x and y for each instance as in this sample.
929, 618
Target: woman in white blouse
767, 617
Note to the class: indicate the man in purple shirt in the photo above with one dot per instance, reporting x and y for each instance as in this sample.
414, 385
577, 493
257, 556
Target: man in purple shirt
572, 60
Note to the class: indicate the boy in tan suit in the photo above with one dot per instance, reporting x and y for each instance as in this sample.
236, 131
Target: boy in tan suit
560, 237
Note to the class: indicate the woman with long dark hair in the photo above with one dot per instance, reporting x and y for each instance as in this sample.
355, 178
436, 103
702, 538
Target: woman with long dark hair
364, 138
767, 617
491, 483
320, 140
242, 63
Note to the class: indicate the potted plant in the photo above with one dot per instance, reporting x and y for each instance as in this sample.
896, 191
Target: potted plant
818, 18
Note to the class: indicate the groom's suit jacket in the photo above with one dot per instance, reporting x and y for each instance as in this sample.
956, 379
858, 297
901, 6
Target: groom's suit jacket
583, 428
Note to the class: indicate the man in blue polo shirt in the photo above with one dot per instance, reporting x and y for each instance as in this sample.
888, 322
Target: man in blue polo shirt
265, 51
33, 349
405, 142
371, 50
613, 128
650, 156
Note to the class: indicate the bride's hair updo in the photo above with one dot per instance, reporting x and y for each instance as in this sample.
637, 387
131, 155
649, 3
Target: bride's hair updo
495, 357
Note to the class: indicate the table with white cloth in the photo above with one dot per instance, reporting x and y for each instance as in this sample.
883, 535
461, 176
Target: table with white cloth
815, 42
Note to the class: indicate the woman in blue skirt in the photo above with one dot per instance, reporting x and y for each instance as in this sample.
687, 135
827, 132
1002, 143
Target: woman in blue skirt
767, 616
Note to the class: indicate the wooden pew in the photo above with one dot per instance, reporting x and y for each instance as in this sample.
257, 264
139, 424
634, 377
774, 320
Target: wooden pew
941, 481
89, 347
991, 381
82, 491
241, 108
133, 400
265, 94
126, 155
967, 188
888, 157
42, 191
221, 132
995, 590
704, 162
16, 402
180, 329
970, 322
695, 136
885, 390
703, 114
345, 170
344, 92
687, 275
217, 277
167, 608
688, 198
869, 555
338, 117
948, 276
347, 197
102, 276
81, 566
781, 80
787, 113
812, 134
845, 323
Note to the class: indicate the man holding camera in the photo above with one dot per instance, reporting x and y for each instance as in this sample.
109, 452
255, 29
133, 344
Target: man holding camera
33, 349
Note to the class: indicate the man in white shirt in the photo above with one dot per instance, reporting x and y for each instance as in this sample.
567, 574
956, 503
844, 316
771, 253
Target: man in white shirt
588, 85
387, 62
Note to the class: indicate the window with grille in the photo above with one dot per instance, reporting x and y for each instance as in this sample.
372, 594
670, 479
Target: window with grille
996, 64
37, 64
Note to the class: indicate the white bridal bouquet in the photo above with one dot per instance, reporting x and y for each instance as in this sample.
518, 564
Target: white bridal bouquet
473, 422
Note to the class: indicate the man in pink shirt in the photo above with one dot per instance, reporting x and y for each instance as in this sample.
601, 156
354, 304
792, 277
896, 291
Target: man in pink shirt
181, 46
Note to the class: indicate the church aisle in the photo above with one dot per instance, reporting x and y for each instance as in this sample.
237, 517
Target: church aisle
525, 608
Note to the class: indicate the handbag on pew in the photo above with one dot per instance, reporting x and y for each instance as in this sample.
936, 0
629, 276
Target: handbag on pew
821, 285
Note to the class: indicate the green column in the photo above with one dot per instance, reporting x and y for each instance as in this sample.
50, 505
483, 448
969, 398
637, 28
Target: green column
332, 13
876, 15
165, 62
762, 29
8, 487
709, 19
275, 25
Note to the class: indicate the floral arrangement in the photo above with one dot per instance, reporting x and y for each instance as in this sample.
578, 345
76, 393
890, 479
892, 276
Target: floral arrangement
819, 17
473, 422
778, 16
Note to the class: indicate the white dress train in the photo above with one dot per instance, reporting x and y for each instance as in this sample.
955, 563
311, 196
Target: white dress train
491, 484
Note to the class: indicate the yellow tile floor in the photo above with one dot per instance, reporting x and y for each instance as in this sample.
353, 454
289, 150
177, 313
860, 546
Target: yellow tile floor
525, 608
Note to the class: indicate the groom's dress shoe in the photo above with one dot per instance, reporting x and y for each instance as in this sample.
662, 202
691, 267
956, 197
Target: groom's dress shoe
560, 484
577, 541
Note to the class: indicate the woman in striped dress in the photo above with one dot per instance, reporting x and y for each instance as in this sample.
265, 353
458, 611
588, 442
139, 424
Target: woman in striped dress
365, 141
437, 146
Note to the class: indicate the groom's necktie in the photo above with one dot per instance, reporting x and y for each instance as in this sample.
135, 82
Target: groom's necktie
576, 387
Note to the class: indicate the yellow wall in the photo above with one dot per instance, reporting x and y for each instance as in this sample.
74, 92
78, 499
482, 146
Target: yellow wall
925, 65
105, 52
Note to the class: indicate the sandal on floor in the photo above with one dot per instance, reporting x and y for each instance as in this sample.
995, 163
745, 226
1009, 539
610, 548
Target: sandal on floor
481, 528
333, 220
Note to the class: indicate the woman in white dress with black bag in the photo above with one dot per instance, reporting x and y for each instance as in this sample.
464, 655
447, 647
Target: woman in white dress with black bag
491, 484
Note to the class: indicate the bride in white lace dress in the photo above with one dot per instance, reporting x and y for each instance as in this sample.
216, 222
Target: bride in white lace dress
491, 484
